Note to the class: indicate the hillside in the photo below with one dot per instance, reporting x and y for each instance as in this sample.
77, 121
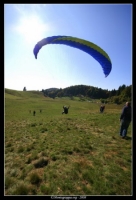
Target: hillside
119, 96
90, 93
14, 94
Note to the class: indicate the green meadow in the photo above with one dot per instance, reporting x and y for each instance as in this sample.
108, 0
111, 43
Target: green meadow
52, 153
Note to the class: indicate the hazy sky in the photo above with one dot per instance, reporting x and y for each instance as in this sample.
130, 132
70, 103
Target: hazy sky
107, 25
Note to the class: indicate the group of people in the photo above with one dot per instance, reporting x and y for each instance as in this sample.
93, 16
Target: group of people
34, 112
125, 117
65, 110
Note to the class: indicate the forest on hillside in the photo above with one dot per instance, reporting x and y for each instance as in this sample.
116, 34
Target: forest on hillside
121, 95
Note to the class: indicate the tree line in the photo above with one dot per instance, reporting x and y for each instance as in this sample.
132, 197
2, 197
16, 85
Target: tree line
121, 95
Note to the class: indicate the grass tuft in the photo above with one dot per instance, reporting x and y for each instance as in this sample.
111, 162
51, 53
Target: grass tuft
35, 178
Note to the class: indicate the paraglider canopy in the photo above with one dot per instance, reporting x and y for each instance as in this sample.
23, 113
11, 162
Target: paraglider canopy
92, 49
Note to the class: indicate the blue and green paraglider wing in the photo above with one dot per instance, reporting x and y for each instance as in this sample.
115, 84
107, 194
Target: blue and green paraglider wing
92, 49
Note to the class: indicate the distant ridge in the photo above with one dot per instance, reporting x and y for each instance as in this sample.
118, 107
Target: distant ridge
52, 89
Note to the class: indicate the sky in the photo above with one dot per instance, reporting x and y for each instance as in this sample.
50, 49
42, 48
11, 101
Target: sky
59, 66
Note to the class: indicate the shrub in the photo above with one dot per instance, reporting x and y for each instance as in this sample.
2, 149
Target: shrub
41, 163
35, 178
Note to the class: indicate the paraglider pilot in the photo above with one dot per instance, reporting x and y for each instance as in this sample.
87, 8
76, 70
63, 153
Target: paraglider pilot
65, 109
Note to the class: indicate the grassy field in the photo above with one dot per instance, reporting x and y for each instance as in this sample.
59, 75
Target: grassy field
79, 153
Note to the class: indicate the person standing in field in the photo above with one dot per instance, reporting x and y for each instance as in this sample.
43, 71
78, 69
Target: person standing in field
34, 113
125, 119
102, 107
